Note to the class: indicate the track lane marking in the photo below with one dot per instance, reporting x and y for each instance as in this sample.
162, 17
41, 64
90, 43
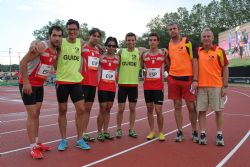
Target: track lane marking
231, 153
53, 141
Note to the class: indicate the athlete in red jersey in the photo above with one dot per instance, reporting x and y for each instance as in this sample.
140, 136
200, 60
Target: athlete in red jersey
35, 67
153, 61
91, 55
109, 63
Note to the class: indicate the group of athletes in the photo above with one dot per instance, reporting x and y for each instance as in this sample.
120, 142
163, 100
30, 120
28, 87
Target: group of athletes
197, 75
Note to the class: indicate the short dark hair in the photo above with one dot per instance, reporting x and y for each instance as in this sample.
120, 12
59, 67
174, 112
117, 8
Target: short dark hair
71, 21
130, 34
174, 23
94, 30
154, 34
55, 27
111, 39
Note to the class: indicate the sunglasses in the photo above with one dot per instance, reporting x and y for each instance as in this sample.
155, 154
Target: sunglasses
113, 46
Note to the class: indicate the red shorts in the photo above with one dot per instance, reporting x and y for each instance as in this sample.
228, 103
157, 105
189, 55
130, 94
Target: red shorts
180, 89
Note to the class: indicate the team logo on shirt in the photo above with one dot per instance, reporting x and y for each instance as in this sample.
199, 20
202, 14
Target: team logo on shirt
211, 57
77, 50
133, 57
180, 48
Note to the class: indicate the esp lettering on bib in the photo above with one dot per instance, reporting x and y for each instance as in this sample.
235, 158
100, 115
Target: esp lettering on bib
43, 71
153, 73
108, 75
93, 63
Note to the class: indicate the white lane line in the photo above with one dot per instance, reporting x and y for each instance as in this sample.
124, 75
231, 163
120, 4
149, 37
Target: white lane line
232, 114
230, 154
20, 130
135, 147
49, 115
241, 93
138, 120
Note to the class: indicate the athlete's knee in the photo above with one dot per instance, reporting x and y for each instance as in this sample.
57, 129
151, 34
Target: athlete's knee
121, 109
33, 115
62, 110
158, 113
177, 104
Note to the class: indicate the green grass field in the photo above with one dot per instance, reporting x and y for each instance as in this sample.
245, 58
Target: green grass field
239, 62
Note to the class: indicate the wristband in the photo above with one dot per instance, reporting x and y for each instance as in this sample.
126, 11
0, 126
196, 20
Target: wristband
195, 80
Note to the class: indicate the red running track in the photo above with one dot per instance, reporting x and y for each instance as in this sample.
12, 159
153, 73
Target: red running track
126, 151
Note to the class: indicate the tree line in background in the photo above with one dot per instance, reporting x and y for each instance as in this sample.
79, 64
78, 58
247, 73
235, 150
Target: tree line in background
42, 34
218, 15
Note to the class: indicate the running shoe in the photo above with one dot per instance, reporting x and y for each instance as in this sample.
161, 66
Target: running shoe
203, 139
150, 136
82, 144
86, 137
132, 133
118, 133
43, 147
161, 137
100, 136
62, 145
108, 136
195, 137
36, 153
179, 136
219, 140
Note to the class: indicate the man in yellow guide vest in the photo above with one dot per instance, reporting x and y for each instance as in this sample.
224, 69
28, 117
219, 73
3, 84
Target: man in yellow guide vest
128, 82
68, 83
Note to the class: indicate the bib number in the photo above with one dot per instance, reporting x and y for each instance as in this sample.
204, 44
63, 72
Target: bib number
153, 73
108, 75
43, 71
93, 63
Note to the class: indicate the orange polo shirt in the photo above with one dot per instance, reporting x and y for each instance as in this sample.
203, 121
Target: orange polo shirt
211, 63
181, 56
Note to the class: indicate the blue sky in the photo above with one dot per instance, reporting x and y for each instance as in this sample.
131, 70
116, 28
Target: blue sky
19, 18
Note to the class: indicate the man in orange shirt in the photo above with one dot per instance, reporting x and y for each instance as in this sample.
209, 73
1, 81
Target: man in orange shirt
212, 83
182, 80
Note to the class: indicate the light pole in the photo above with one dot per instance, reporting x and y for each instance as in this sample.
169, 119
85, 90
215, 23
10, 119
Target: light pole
10, 60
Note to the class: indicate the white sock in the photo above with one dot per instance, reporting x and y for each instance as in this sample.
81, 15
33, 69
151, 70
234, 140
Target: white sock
36, 139
219, 132
32, 145
203, 131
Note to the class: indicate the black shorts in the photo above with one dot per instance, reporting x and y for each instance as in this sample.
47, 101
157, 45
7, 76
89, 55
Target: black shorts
36, 95
155, 96
130, 92
64, 90
106, 96
89, 93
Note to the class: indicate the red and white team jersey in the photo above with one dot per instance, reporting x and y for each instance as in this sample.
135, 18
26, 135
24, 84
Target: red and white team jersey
90, 66
153, 75
39, 68
108, 75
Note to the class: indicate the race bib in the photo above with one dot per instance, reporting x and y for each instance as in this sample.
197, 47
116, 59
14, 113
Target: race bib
93, 63
153, 73
108, 75
43, 71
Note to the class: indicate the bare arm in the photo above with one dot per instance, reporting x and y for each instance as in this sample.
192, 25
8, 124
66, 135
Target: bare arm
31, 55
195, 73
225, 81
